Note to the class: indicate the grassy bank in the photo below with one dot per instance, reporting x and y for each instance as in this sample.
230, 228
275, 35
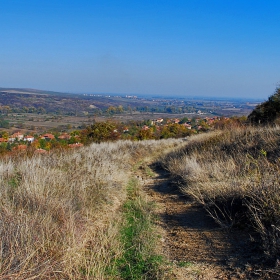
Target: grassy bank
60, 214
235, 175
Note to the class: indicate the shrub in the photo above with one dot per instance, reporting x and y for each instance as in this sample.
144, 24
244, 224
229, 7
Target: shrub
268, 111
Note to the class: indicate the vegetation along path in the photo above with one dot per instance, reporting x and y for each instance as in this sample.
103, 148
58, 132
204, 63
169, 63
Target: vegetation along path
194, 245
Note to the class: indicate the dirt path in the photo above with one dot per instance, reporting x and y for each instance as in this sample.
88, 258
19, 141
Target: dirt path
194, 243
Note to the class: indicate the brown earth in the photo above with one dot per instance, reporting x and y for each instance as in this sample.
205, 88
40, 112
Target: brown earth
195, 246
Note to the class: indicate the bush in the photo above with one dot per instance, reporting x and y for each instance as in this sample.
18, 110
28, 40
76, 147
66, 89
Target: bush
267, 112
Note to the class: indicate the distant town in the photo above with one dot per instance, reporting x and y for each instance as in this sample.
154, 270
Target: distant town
159, 128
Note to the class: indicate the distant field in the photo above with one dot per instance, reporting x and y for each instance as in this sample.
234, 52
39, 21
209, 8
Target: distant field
37, 111
137, 116
38, 123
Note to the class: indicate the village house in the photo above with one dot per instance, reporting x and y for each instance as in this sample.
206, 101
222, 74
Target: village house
210, 121
40, 151
48, 136
188, 126
16, 136
20, 147
29, 138
156, 121
76, 145
64, 136
145, 127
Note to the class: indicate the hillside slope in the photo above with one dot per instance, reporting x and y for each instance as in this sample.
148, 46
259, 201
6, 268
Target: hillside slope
267, 112
235, 176
61, 213
74, 215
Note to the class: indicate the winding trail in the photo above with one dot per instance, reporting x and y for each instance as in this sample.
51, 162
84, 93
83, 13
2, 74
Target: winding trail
194, 244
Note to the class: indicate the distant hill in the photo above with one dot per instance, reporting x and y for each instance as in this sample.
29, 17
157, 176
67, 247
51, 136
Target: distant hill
32, 91
267, 112
34, 100
26, 100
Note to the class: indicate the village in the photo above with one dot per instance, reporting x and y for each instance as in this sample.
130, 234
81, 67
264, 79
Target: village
19, 141
149, 129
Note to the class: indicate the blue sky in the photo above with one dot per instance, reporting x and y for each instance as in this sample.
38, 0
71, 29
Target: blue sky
227, 48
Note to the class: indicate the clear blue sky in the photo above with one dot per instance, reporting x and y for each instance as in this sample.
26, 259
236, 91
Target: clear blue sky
226, 48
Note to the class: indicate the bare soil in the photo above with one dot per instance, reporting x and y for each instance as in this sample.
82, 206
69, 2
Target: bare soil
195, 246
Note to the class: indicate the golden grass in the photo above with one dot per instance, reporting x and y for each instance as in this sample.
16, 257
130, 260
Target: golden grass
59, 213
235, 176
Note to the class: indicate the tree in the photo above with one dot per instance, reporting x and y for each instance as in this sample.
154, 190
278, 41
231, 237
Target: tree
4, 134
120, 109
42, 143
184, 120
111, 110
4, 123
145, 134
41, 110
268, 111
100, 132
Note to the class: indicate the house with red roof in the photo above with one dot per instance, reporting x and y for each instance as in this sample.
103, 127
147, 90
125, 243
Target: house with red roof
76, 145
48, 136
64, 136
145, 127
40, 151
20, 147
16, 136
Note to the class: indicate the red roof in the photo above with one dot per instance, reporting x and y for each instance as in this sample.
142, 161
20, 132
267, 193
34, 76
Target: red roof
20, 147
64, 136
145, 127
17, 135
48, 135
40, 151
76, 145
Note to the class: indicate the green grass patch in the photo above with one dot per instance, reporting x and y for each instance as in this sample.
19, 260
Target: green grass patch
137, 165
185, 264
149, 171
139, 260
145, 168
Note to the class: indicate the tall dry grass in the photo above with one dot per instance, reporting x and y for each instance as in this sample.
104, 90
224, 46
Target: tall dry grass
59, 213
235, 175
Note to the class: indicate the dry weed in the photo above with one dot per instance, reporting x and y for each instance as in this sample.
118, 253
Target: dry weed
235, 175
59, 213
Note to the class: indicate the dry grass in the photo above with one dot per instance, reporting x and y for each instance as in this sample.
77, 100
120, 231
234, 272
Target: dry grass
235, 175
59, 213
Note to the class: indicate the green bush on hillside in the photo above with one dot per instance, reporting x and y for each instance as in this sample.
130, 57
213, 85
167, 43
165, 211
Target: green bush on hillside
268, 111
